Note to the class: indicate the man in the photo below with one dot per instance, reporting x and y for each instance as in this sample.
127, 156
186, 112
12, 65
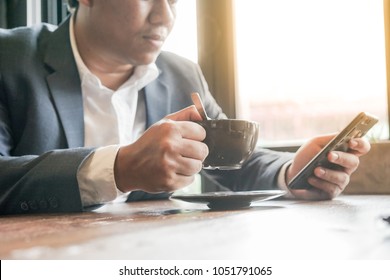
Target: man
92, 111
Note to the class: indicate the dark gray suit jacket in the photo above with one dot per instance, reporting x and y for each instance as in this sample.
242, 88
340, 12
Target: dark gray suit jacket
42, 128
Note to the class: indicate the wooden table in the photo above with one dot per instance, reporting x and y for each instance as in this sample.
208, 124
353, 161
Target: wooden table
348, 227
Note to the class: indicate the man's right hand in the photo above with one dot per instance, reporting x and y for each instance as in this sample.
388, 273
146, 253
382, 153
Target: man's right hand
166, 157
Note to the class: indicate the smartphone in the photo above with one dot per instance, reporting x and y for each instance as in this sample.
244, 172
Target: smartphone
358, 127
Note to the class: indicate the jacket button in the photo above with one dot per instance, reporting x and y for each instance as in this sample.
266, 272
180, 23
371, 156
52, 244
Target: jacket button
53, 202
24, 206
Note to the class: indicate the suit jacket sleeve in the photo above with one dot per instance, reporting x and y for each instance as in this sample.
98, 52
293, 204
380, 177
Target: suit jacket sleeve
259, 172
38, 184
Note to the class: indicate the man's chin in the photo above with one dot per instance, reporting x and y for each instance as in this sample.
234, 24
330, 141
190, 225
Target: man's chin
147, 59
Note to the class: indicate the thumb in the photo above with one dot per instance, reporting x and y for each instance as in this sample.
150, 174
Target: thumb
187, 114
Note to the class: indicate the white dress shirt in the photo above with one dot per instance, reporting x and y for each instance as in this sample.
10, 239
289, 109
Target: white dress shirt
111, 119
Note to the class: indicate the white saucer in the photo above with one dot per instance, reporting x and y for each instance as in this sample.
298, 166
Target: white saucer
229, 199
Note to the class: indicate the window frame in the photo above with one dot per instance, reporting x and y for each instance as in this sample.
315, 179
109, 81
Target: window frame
216, 51
54, 11
386, 9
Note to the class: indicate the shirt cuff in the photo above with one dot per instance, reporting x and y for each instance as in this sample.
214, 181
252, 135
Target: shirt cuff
96, 177
282, 184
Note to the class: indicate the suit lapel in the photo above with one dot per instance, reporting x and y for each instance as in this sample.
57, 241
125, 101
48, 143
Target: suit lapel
64, 85
156, 93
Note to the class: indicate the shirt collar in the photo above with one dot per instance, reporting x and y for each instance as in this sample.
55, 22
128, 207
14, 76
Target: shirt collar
143, 74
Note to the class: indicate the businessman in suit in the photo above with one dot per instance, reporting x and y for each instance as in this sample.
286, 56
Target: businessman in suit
93, 111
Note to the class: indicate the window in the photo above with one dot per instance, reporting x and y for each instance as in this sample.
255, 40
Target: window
308, 67
183, 38
34, 14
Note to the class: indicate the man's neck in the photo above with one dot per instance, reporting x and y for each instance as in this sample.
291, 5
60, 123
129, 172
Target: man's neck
110, 78
111, 74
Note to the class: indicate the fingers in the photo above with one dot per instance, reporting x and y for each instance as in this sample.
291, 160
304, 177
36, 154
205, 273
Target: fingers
359, 146
326, 177
182, 144
326, 183
330, 182
184, 120
347, 161
194, 149
191, 130
193, 154
165, 158
188, 167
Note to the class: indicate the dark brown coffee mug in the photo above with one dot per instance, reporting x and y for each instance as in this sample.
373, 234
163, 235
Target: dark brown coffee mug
230, 142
